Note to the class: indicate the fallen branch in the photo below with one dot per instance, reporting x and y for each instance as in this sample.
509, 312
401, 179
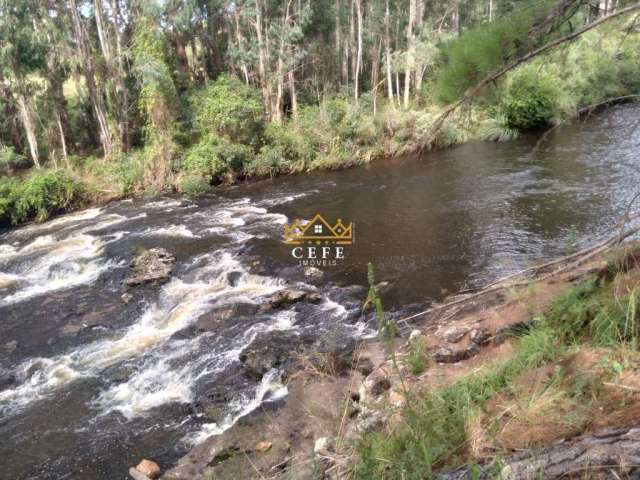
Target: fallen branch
615, 449
492, 77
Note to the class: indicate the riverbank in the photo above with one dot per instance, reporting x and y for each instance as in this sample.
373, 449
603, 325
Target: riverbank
485, 382
225, 137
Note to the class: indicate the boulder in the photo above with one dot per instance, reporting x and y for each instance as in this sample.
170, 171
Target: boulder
479, 336
151, 266
270, 350
313, 272
148, 468
414, 335
263, 446
450, 355
367, 420
217, 318
322, 445
289, 296
364, 365
454, 333
376, 383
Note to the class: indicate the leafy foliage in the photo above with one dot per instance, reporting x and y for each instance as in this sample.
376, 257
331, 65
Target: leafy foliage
10, 160
41, 195
531, 99
230, 109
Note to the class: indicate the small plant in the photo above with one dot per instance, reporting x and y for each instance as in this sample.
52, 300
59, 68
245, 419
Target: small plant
386, 328
417, 359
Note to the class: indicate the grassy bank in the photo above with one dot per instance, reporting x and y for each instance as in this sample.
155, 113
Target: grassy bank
221, 134
575, 371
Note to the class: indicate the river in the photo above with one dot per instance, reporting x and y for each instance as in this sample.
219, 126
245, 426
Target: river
91, 380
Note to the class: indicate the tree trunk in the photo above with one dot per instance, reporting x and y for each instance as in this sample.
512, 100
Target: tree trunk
262, 61
89, 73
455, 18
292, 90
240, 41
63, 143
410, 52
589, 456
352, 40
356, 73
26, 116
418, 67
338, 39
387, 47
102, 34
121, 89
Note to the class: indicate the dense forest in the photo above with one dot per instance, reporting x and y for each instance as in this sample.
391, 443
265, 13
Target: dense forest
102, 99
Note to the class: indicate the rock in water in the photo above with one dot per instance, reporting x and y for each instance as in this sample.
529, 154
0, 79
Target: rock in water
148, 468
151, 266
289, 296
269, 350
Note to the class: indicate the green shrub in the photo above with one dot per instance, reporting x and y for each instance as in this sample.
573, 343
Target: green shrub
8, 189
40, 196
123, 175
230, 109
10, 160
214, 157
531, 99
233, 157
268, 162
202, 158
293, 142
194, 186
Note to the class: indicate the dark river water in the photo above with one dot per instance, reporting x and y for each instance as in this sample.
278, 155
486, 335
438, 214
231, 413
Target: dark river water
91, 383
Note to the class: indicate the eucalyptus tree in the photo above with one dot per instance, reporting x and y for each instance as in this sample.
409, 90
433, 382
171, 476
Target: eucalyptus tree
22, 53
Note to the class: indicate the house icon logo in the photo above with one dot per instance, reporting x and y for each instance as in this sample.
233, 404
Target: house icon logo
319, 232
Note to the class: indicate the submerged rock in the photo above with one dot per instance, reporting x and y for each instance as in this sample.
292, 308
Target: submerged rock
218, 318
289, 296
7, 380
151, 266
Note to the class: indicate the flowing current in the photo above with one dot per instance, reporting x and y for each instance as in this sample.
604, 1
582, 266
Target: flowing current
95, 375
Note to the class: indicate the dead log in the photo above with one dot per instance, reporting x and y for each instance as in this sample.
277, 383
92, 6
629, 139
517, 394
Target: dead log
605, 454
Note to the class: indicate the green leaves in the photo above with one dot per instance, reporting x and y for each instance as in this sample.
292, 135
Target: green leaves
230, 109
531, 99
41, 195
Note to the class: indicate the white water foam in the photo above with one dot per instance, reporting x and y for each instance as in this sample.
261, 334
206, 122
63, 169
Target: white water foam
181, 302
270, 385
168, 231
58, 265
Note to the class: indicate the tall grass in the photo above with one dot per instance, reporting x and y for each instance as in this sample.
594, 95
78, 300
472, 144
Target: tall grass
435, 430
